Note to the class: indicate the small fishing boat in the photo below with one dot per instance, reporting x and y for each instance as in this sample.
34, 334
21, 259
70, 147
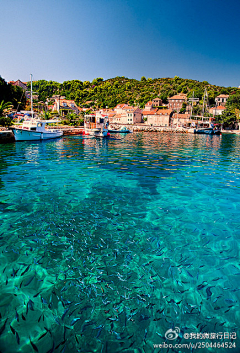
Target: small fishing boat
207, 131
35, 129
123, 129
96, 126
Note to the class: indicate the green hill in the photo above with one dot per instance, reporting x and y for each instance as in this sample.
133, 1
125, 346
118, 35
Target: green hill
100, 93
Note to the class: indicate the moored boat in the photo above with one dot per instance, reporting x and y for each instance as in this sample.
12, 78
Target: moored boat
34, 130
123, 129
96, 126
209, 130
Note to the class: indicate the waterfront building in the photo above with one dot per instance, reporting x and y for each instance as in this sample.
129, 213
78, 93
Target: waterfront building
133, 115
126, 114
181, 119
157, 117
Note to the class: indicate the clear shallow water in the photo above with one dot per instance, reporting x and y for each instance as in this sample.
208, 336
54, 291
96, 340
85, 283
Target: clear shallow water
107, 244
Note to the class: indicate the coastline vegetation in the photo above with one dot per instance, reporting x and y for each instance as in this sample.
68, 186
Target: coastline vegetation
108, 93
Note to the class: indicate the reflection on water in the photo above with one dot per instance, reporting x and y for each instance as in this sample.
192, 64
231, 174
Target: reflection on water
107, 244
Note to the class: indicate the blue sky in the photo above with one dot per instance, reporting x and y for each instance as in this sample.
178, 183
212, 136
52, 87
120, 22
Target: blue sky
84, 39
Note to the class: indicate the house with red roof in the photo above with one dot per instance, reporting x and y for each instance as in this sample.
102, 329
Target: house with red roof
176, 102
157, 102
157, 117
149, 106
65, 106
133, 115
126, 114
218, 110
221, 99
19, 83
181, 119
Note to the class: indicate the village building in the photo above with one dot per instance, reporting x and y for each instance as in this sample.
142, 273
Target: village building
149, 106
19, 83
218, 110
23, 85
176, 102
181, 119
156, 102
119, 108
133, 115
64, 106
221, 99
157, 117
125, 114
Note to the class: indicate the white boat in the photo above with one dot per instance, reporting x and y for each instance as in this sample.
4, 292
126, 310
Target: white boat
34, 130
96, 126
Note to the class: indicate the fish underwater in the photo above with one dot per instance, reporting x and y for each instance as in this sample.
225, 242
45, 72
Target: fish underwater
113, 268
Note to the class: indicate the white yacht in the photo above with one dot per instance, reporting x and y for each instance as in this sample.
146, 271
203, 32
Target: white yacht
34, 129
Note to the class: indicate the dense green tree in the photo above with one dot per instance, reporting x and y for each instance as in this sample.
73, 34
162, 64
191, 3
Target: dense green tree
13, 94
231, 113
122, 90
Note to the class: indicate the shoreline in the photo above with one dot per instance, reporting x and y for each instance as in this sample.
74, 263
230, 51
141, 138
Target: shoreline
7, 136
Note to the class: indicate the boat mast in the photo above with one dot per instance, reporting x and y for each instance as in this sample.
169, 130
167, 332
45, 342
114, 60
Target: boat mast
31, 96
203, 104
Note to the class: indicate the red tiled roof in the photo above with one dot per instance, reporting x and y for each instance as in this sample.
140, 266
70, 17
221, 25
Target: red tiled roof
223, 96
120, 105
178, 96
150, 112
220, 107
128, 107
111, 114
164, 111
181, 116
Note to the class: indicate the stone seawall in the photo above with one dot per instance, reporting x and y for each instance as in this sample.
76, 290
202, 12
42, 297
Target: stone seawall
6, 136
149, 128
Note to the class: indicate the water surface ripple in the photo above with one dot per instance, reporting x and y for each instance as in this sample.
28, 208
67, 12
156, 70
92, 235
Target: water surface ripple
106, 245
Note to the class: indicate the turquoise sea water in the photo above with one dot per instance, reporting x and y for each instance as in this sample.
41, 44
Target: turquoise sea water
109, 245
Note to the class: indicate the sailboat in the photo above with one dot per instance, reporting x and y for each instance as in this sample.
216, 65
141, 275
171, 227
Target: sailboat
35, 129
208, 130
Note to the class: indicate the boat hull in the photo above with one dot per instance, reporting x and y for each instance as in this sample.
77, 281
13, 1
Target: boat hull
27, 135
96, 132
207, 131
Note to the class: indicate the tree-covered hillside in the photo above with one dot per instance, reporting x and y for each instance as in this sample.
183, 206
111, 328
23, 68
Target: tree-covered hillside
109, 93
12, 94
